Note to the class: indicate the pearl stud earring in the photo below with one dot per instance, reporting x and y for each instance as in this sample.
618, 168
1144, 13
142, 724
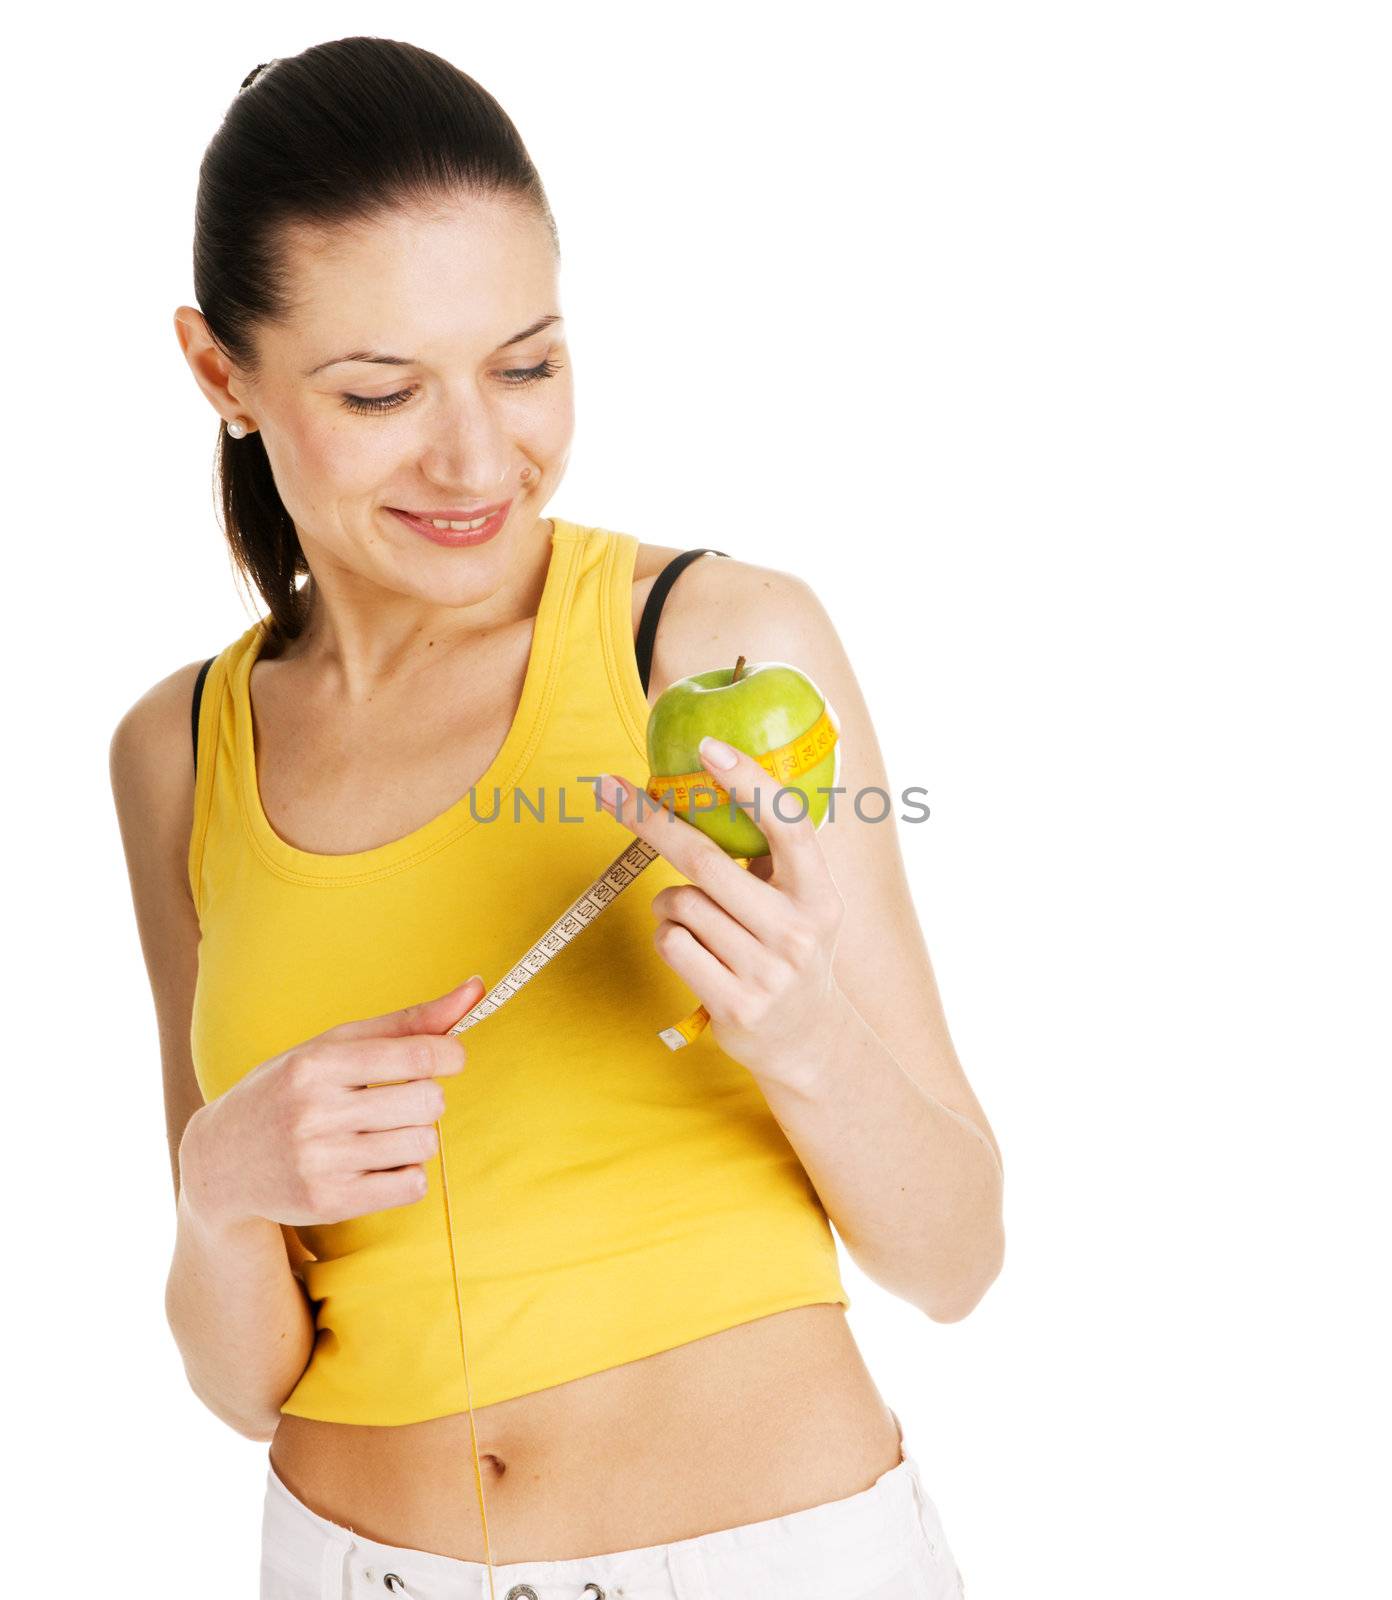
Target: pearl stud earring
237, 428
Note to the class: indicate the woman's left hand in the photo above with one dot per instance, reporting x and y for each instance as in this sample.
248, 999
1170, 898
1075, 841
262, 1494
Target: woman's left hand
755, 944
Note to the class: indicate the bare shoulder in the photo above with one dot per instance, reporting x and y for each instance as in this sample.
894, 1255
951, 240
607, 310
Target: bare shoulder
151, 765
161, 702
151, 755
716, 598
647, 563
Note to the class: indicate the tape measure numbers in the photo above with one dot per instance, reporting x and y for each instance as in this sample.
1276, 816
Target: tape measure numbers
572, 922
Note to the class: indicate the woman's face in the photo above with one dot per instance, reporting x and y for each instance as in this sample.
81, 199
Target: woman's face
462, 410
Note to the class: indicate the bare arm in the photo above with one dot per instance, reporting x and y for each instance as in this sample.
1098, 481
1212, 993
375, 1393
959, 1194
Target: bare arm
239, 1314
874, 1100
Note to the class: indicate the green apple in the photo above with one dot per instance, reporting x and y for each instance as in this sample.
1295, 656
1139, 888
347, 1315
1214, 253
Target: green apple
756, 708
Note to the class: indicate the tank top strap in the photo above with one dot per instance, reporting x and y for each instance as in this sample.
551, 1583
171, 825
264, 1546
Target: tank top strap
198, 705
598, 673
214, 766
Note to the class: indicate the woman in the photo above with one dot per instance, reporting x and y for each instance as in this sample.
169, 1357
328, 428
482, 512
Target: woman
567, 1321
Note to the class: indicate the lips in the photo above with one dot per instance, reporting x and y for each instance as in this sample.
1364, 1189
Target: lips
454, 513
459, 532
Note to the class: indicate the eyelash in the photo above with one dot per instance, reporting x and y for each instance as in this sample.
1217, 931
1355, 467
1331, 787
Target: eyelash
518, 378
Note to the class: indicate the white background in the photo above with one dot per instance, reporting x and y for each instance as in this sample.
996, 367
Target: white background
1050, 344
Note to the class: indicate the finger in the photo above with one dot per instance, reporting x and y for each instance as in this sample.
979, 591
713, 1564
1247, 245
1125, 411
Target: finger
728, 941
380, 1191
718, 987
757, 906
392, 1147
780, 812
393, 1105
425, 1016
360, 1063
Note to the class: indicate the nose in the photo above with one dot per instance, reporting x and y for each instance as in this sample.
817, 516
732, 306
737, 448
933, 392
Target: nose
466, 447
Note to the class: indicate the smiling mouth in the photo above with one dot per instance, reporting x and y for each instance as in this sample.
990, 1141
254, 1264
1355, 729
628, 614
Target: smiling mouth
453, 530
452, 520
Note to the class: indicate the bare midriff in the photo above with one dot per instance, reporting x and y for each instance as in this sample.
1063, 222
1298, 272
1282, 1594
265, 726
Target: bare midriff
761, 1420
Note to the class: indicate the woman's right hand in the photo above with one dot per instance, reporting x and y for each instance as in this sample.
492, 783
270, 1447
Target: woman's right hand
317, 1134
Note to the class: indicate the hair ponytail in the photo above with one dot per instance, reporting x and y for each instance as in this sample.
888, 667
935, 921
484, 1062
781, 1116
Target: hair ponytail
261, 533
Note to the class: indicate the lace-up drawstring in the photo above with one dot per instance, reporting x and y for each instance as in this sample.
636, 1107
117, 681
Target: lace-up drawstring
519, 1591
524, 1591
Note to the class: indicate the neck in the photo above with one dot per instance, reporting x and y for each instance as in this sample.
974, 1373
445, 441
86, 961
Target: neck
371, 639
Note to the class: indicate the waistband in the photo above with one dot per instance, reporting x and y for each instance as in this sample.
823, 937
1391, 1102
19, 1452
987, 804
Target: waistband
833, 1549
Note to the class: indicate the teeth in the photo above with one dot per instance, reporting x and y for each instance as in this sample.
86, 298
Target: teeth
458, 527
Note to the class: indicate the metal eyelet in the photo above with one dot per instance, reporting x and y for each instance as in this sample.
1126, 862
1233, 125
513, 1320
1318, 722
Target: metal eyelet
593, 1588
521, 1591
392, 1582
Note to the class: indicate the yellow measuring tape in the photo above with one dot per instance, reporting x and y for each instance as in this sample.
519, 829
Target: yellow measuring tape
786, 763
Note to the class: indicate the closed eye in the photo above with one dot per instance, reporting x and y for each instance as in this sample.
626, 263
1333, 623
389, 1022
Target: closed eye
516, 378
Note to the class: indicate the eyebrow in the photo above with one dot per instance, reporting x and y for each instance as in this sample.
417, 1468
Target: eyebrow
408, 361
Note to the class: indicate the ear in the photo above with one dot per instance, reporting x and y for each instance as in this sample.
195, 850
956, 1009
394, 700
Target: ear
210, 367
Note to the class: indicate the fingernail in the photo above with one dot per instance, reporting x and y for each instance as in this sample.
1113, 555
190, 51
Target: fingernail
718, 753
610, 792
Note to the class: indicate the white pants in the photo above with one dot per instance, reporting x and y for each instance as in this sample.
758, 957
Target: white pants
885, 1543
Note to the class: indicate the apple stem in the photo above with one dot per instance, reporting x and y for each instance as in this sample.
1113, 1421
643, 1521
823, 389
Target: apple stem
739, 668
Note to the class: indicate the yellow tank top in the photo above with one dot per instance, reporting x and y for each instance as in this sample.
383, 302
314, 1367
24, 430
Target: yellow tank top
609, 1198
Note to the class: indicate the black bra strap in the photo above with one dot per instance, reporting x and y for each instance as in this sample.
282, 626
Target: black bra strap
647, 626
197, 701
